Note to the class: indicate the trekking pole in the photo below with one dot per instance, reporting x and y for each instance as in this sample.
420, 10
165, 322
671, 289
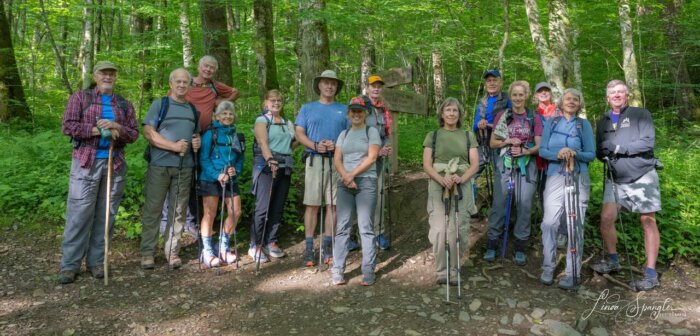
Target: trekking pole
509, 200
322, 217
177, 200
387, 203
197, 220
333, 212
221, 220
108, 201
619, 218
570, 205
267, 215
457, 194
446, 201
235, 228
381, 208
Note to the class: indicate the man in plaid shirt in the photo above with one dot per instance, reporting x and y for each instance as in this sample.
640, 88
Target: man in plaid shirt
95, 119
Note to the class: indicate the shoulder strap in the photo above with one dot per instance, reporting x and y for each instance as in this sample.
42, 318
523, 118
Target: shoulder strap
214, 89
468, 142
90, 99
434, 146
122, 104
196, 115
164, 106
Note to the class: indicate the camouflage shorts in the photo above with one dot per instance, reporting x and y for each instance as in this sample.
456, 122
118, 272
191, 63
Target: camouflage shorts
641, 196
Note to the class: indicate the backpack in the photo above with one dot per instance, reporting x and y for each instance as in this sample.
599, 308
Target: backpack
164, 107
435, 142
378, 110
256, 147
122, 104
345, 133
211, 86
240, 149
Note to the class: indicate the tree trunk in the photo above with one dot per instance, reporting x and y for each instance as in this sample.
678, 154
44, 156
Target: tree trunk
312, 46
504, 42
368, 61
264, 44
684, 96
98, 28
438, 77
560, 39
12, 102
185, 33
216, 41
59, 59
421, 79
551, 62
85, 54
629, 60
578, 79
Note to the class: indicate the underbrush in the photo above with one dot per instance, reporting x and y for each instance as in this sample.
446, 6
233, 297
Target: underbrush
34, 172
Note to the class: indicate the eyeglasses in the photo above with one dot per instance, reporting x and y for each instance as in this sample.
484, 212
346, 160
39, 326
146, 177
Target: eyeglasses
276, 101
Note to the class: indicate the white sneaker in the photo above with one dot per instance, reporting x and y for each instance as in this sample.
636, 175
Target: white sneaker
256, 254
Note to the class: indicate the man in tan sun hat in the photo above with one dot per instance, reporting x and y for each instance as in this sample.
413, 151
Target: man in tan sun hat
318, 125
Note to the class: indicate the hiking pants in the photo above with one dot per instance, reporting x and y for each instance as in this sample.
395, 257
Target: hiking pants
436, 219
83, 235
275, 201
555, 214
159, 182
362, 202
523, 192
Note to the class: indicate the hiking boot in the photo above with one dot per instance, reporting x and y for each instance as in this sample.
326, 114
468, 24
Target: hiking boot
490, 255
97, 272
174, 262
368, 280
645, 284
209, 260
352, 245
520, 258
567, 282
561, 241
309, 260
547, 277
338, 280
606, 266
274, 250
66, 277
147, 262
383, 242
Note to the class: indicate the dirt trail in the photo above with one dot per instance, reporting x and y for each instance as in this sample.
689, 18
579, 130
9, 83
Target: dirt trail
498, 298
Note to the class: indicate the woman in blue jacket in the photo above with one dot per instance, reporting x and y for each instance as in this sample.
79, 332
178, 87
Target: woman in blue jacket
221, 161
566, 138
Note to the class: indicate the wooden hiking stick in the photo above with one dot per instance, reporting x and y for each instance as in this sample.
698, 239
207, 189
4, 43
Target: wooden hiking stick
108, 201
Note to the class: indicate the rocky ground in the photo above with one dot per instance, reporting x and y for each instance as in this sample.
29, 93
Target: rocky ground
497, 299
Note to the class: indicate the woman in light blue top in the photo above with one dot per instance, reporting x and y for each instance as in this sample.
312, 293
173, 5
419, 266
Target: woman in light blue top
566, 139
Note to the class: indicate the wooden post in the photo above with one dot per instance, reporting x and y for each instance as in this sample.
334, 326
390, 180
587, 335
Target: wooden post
394, 159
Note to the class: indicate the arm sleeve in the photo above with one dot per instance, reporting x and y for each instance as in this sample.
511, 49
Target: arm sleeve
647, 136
205, 161
600, 129
472, 141
224, 90
544, 151
151, 118
374, 138
588, 152
428, 142
72, 125
477, 118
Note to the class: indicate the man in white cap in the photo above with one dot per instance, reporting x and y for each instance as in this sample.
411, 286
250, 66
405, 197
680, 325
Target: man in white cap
98, 120
318, 126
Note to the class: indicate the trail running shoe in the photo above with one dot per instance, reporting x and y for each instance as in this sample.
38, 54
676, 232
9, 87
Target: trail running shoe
567, 282
309, 260
368, 280
606, 266
327, 256
174, 262
274, 250
209, 260
147, 262
645, 284
547, 277
256, 253
490, 255
97, 272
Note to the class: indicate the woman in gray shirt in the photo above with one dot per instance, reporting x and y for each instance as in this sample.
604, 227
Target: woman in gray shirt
355, 154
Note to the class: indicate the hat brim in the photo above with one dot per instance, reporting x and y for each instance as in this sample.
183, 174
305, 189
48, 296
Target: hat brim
357, 107
318, 79
377, 81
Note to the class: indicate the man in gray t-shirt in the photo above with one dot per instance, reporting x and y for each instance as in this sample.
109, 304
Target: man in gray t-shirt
170, 168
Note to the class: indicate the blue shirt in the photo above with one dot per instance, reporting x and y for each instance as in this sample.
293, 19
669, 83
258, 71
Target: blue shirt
566, 134
490, 102
107, 113
322, 121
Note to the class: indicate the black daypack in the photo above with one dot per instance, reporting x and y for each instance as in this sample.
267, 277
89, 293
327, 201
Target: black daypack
435, 142
164, 107
122, 104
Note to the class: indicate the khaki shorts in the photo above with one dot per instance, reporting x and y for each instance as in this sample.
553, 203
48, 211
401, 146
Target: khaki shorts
312, 180
640, 196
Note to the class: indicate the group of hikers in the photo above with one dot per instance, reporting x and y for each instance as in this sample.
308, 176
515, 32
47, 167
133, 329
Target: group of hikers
194, 150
